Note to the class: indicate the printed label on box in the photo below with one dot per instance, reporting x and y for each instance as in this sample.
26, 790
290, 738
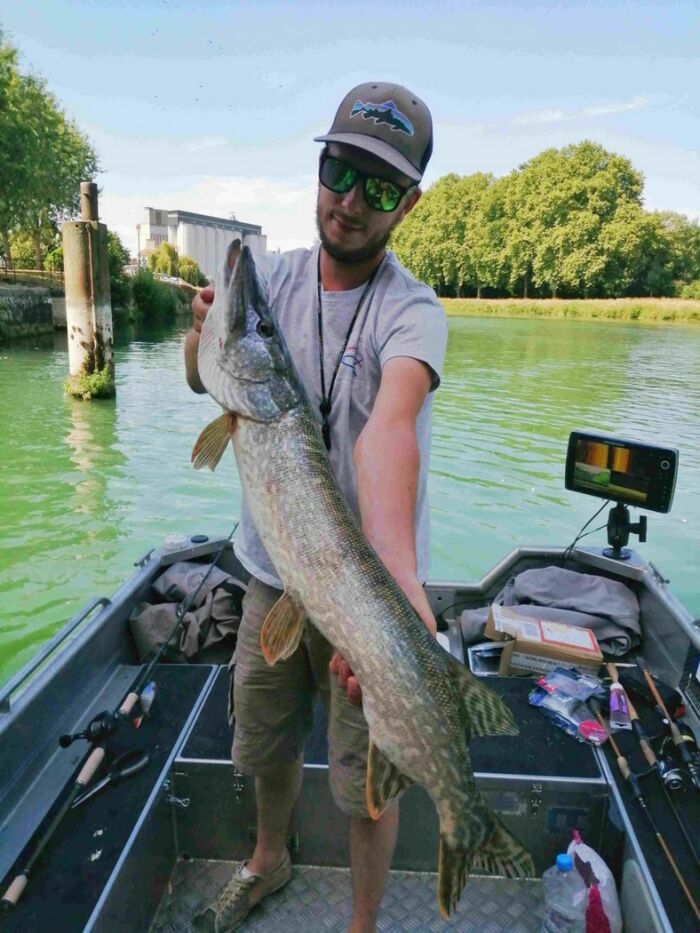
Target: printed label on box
537, 664
569, 636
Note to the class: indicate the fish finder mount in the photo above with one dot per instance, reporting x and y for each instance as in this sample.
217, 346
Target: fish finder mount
619, 528
624, 471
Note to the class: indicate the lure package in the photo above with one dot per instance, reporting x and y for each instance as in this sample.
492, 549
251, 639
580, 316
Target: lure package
561, 696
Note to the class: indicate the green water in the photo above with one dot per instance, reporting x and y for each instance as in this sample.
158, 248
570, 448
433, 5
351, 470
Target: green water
87, 488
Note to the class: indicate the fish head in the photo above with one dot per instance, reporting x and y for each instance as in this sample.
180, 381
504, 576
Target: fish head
243, 359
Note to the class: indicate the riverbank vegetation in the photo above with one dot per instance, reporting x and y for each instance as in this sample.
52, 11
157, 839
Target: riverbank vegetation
166, 260
43, 159
570, 223
643, 310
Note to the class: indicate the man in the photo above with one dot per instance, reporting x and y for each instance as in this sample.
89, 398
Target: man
368, 342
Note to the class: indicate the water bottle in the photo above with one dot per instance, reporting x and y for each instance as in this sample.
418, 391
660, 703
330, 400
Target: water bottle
565, 898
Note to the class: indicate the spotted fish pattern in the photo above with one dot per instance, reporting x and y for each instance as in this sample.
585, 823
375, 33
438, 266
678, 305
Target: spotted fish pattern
422, 706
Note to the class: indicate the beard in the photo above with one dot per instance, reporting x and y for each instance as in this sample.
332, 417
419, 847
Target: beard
372, 248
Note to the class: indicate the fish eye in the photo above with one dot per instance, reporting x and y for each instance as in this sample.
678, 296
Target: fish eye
265, 329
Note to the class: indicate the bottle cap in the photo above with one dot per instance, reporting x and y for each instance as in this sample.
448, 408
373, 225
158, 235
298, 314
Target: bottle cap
565, 863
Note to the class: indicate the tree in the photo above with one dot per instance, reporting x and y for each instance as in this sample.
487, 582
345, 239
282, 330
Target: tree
43, 158
164, 260
557, 207
118, 257
190, 271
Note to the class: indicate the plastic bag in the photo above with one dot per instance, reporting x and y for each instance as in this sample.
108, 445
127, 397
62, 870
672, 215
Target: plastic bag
598, 876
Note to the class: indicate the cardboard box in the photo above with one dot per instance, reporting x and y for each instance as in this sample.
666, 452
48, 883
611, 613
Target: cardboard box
535, 646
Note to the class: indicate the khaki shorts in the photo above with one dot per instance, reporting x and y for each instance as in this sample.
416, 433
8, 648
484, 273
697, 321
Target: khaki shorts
272, 706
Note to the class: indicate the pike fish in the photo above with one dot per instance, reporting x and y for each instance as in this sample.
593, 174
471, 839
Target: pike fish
422, 706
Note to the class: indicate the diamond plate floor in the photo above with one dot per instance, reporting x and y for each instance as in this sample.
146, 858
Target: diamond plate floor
318, 899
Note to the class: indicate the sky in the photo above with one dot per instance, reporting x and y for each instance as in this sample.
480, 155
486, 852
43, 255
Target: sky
212, 106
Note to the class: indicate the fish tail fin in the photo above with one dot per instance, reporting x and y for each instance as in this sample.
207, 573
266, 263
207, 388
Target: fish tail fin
484, 712
454, 865
503, 855
212, 442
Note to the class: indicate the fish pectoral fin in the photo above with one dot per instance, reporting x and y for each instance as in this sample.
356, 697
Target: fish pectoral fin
484, 711
282, 629
384, 782
210, 445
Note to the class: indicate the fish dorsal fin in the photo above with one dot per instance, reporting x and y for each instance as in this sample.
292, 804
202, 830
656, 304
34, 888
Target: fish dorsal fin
210, 445
484, 711
384, 781
282, 629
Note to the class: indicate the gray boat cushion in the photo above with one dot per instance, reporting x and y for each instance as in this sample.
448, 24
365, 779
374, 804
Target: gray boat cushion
180, 579
207, 629
608, 607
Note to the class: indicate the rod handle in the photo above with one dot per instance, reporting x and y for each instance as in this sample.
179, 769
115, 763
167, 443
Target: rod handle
14, 892
612, 670
128, 704
90, 766
646, 748
624, 767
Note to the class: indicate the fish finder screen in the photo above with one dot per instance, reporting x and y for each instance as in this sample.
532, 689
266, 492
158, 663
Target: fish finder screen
615, 471
625, 471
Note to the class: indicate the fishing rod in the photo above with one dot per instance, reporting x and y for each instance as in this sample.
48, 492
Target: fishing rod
106, 722
668, 777
97, 730
683, 752
182, 609
631, 778
17, 886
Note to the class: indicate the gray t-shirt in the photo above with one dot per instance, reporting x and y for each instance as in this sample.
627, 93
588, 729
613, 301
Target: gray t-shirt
399, 317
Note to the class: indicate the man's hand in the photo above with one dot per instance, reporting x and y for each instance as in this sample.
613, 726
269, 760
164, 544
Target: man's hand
347, 680
416, 595
201, 303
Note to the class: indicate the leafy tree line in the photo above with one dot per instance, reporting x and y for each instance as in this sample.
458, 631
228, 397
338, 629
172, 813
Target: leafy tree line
569, 223
166, 260
43, 159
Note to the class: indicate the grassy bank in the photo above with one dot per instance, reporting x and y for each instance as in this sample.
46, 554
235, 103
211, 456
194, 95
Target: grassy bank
644, 310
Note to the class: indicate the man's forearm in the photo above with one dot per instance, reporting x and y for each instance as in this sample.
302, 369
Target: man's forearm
191, 368
388, 464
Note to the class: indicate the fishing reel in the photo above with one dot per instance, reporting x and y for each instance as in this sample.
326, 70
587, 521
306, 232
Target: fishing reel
670, 773
97, 730
688, 752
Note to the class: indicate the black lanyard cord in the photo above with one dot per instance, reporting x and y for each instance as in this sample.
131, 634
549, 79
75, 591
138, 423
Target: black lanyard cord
326, 400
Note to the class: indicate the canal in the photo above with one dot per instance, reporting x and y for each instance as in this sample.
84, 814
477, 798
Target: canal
87, 488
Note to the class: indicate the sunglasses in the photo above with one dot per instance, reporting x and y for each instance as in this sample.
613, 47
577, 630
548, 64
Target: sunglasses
379, 193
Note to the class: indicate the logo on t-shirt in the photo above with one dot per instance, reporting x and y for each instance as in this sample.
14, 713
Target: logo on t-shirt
352, 360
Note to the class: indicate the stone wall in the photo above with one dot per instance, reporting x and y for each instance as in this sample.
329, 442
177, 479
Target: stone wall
24, 312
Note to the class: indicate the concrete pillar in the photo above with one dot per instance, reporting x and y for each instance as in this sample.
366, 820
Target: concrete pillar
88, 303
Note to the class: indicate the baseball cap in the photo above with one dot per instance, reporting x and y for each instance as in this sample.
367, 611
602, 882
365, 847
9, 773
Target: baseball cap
388, 121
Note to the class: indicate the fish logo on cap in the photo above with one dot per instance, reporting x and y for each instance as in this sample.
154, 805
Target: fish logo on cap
387, 113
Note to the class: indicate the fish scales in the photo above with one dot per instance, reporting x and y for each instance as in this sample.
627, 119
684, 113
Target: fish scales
421, 705
342, 584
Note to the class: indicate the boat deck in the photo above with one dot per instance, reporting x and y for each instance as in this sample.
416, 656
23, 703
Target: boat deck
319, 899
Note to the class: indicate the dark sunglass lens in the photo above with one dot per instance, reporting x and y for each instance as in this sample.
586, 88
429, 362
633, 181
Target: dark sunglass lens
382, 195
337, 175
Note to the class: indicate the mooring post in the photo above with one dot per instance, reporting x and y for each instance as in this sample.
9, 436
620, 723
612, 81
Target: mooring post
88, 302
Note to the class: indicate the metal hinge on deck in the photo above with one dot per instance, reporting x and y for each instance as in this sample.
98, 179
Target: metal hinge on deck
182, 803
238, 785
535, 799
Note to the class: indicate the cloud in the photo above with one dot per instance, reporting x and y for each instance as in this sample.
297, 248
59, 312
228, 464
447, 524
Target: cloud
285, 209
207, 142
538, 117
